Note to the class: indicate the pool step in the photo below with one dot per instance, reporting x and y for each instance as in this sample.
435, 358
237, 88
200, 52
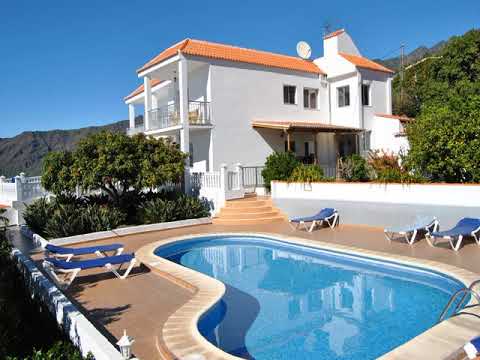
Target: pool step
250, 210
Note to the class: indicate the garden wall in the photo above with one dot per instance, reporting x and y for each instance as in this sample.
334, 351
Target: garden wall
380, 205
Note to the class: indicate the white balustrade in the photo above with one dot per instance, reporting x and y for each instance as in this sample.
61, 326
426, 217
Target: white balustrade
219, 186
22, 189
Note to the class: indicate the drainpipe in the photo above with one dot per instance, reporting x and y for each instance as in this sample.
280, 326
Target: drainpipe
361, 115
329, 102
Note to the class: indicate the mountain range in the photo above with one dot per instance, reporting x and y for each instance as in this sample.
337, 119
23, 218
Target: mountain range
25, 151
412, 57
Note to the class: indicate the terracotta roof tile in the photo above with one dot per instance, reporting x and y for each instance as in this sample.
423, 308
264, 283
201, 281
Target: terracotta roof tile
396, 117
299, 124
233, 53
333, 34
140, 89
365, 63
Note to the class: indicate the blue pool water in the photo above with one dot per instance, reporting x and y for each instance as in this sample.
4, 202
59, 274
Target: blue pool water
284, 301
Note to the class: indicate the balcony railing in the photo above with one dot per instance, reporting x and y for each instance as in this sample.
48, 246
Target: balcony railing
136, 130
169, 115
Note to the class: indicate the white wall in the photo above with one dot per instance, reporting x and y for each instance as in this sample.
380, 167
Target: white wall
425, 194
242, 93
200, 140
340, 43
383, 135
346, 115
198, 81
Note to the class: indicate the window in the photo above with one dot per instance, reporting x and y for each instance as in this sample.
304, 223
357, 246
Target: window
343, 94
289, 94
366, 94
310, 98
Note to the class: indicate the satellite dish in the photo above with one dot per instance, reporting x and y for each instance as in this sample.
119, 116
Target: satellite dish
304, 50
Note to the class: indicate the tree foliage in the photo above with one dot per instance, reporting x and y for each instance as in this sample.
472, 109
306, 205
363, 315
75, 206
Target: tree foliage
114, 163
444, 139
279, 166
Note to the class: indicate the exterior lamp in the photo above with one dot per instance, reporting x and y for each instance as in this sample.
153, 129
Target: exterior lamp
125, 345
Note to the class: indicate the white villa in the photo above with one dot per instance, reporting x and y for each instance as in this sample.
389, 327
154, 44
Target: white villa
228, 105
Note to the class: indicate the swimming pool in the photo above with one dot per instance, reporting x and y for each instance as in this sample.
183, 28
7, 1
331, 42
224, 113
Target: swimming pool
285, 301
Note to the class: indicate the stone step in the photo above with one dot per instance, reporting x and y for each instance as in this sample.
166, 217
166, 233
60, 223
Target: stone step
241, 221
246, 203
244, 215
249, 210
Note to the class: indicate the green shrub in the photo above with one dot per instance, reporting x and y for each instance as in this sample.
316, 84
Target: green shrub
68, 220
354, 168
183, 207
279, 166
388, 168
398, 176
37, 214
307, 174
61, 350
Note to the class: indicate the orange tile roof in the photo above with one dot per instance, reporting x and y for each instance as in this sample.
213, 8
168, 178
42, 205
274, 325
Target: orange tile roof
299, 124
333, 34
233, 53
140, 89
396, 117
365, 63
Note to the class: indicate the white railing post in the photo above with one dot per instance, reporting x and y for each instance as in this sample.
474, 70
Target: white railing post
18, 188
238, 170
2, 179
223, 184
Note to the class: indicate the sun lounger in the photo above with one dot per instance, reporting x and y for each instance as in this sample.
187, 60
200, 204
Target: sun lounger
427, 224
53, 265
68, 253
328, 215
465, 227
472, 348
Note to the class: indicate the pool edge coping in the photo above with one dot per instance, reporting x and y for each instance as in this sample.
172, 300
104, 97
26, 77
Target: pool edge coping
182, 338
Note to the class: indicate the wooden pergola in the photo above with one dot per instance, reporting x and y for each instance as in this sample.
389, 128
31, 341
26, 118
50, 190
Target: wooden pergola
291, 126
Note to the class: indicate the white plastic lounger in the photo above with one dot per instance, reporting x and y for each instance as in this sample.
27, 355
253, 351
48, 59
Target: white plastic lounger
53, 265
465, 227
328, 215
427, 224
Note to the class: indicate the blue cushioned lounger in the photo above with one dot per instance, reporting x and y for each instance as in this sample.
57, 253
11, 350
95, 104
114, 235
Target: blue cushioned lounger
465, 227
53, 265
68, 253
328, 215
427, 224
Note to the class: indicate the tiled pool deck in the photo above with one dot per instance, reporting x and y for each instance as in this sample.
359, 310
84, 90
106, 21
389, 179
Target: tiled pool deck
143, 302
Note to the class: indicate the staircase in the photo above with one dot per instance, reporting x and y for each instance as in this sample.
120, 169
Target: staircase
252, 209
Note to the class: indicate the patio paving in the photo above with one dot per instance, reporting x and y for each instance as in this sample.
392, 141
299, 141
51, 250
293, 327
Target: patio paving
142, 303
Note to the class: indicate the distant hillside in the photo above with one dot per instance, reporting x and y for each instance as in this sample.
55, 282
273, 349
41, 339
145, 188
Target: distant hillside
414, 56
25, 151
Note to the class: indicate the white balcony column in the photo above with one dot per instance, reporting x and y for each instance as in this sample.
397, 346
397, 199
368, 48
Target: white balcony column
361, 124
131, 115
183, 110
147, 86
210, 151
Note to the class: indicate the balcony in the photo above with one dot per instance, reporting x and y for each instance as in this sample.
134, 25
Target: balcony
136, 130
169, 115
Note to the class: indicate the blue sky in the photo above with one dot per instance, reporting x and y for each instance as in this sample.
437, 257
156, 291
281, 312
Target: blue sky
68, 64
